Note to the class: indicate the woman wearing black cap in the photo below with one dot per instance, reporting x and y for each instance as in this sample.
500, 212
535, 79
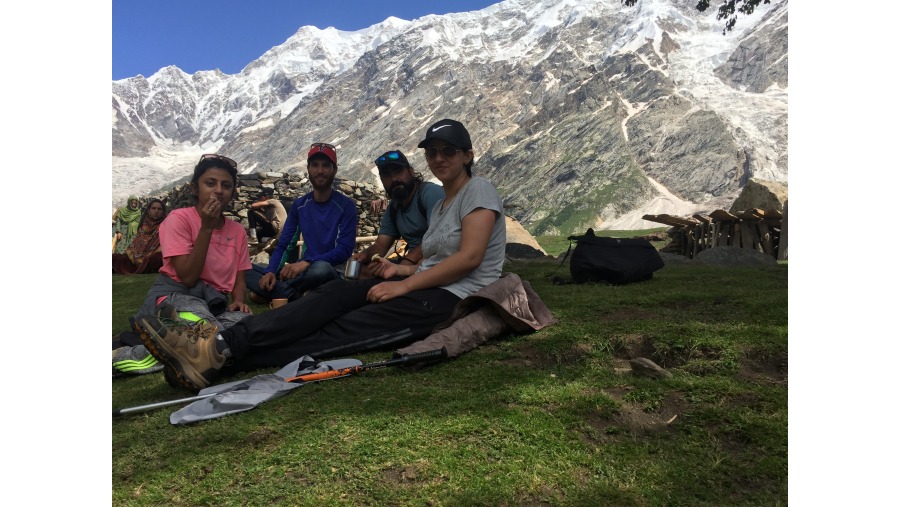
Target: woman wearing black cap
464, 249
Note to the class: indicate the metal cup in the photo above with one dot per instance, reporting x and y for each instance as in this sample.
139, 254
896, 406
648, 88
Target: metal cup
351, 270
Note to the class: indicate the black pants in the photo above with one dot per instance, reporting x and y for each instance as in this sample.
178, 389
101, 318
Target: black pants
258, 221
334, 320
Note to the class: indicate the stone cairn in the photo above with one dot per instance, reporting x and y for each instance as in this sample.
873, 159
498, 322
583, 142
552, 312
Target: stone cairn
370, 200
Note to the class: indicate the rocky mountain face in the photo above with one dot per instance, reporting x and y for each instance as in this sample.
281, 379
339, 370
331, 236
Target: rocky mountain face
583, 113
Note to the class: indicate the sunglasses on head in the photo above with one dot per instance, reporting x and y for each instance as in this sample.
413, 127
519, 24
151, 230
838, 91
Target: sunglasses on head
445, 151
322, 147
388, 159
220, 158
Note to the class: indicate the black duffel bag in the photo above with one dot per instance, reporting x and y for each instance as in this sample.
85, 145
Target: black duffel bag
612, 260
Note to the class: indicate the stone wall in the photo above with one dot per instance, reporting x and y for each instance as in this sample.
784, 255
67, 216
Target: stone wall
287, 187
370, 204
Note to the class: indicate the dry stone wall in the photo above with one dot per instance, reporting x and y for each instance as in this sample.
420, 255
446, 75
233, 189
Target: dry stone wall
287, 187
370, 205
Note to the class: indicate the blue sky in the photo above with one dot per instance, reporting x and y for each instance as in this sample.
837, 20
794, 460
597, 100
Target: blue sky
228, 34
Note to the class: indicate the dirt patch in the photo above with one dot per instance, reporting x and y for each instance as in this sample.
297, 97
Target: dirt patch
530, 356
401, 475
630, 346
259, 437
409, 476
632, 419
763, 365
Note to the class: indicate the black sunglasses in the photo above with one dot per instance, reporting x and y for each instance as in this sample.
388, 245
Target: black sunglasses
322, 146
221, 158
445, 151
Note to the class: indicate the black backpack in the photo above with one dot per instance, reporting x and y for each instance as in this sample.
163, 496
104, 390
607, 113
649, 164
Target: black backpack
612, 260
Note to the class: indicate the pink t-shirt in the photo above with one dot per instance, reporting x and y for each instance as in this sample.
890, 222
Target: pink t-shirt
227, 253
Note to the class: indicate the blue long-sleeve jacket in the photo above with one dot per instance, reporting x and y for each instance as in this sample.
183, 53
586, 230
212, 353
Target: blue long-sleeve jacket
329, 231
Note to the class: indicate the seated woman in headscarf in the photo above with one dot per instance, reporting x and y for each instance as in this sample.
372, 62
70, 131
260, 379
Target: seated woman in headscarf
125, 224
144, 254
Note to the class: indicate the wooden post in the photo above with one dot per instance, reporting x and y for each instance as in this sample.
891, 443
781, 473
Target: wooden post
765, 238
783, 237
697, 235
734, 240
747, 237
704, 231
727, 232
724, 231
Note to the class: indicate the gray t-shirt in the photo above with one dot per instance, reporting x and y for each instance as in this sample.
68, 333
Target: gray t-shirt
445, 229
411, 223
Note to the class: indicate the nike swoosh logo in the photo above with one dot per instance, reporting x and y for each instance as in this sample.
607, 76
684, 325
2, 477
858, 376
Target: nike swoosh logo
435, 129
229, 238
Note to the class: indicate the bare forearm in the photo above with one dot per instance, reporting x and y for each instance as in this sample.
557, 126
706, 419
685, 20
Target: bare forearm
240, 287
445, 272
380, 247
189, 266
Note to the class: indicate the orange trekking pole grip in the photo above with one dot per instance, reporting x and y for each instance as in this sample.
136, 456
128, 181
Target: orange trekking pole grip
407, 359
309, 377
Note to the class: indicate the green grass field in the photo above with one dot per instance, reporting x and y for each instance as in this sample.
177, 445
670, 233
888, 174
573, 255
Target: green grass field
549, 418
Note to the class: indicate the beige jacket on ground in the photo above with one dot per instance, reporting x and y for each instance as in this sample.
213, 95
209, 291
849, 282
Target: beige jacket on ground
509, 304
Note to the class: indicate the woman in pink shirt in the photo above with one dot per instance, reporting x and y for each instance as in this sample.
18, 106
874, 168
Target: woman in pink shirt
205, 255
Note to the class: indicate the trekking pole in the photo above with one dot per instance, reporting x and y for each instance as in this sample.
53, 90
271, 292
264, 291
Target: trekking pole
152, 406
431, 355
406, 359
161, 404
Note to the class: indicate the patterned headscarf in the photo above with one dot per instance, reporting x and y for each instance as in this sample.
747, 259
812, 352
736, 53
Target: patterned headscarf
130, 216
146, 241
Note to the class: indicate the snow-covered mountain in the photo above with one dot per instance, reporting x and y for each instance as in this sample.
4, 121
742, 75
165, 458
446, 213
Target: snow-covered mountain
584, 113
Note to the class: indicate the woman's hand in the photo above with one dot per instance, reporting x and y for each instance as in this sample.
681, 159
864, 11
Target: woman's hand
387, 269
382, 268
239, 306
210, 213
386, 291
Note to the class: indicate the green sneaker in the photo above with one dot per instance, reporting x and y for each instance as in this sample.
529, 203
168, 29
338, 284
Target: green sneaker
134, 361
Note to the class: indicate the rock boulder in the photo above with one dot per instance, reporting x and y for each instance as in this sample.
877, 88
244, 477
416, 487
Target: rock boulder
761, 194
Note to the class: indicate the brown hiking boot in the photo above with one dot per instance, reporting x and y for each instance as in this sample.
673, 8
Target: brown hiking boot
172, 378
189, 350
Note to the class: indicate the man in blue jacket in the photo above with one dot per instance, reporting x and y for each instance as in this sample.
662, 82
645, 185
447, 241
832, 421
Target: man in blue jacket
326, 218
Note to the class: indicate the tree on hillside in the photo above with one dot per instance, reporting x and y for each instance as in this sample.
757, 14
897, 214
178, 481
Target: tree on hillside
726, 10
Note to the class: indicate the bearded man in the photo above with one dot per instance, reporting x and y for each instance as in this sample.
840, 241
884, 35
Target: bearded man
327, 220
407, 215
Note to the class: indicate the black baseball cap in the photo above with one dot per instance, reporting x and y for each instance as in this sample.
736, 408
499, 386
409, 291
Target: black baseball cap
451, 131
265, 192
393, 157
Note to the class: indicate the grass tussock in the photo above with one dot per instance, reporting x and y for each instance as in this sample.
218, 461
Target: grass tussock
550, 418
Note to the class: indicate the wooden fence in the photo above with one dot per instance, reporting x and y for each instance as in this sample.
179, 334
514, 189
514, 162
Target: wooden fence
758, 229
